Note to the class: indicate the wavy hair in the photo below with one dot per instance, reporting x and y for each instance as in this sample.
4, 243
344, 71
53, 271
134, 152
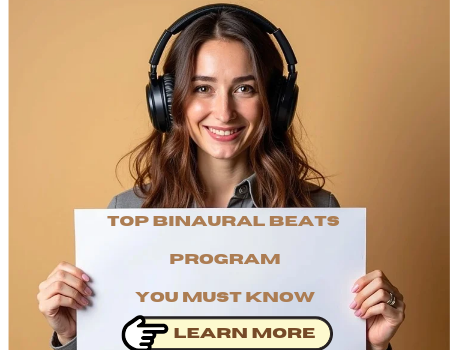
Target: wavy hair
164, 166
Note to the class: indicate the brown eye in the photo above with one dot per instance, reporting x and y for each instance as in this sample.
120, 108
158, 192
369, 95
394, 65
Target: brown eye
246, 89
202, 89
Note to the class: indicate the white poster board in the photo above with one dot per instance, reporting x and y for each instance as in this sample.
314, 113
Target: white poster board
302, 266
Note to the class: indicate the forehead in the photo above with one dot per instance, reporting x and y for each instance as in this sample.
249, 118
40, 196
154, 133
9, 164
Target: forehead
223, 57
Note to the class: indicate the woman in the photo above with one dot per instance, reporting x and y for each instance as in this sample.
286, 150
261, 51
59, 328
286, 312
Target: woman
223, 149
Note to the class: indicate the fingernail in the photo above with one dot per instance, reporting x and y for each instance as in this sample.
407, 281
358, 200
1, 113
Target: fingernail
88, 291
84, 301
353, 304
85, 277
355, 288
358, 312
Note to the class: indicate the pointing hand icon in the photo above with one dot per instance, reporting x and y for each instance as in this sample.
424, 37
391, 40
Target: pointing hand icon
136, 334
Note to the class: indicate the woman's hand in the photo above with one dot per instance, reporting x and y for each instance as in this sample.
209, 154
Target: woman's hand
370, 303
64, 291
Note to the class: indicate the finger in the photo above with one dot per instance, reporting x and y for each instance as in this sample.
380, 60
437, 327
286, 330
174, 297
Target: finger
51, 306
380, 296
392, 315
370, 289
59, 287
365, 280
65, 266
69, 279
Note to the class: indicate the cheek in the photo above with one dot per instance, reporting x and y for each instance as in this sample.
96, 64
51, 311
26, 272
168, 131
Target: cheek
196, 111
255, 116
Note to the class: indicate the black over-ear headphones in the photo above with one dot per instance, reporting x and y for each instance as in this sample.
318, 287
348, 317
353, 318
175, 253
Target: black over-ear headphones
159, 90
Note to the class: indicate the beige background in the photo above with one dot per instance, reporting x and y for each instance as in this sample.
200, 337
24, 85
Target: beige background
374, 98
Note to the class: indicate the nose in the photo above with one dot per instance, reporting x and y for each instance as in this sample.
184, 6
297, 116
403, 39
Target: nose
224, 108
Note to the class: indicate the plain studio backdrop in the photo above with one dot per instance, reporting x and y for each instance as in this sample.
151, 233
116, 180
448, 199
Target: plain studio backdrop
374, 100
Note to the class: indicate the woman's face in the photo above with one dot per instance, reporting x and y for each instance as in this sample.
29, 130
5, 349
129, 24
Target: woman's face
223, 107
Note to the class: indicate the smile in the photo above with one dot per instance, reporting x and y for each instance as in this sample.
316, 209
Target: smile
224, 134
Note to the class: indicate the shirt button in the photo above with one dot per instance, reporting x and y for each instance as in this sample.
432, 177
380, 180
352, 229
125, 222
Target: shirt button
243, 189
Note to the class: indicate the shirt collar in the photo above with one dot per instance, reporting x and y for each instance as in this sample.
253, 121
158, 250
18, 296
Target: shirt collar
243, 190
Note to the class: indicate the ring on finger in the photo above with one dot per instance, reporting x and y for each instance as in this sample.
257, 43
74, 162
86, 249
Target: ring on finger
391, 300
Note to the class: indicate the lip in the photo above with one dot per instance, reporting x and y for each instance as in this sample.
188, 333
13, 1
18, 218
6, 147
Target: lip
224, 129
224, 138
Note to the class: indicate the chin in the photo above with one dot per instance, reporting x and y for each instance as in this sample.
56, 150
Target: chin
223, 154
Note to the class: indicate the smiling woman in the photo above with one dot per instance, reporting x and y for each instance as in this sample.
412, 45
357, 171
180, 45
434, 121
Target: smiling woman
222, 114
224, 76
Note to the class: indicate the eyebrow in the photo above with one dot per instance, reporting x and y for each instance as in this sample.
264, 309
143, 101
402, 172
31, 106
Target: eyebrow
214, 80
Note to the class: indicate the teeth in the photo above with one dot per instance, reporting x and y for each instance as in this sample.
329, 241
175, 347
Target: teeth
222, 132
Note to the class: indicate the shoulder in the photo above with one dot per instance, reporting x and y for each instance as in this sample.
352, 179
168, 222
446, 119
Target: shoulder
320, 197
127, 199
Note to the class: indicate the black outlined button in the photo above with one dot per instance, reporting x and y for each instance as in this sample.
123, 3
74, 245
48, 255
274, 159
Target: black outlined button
242, 332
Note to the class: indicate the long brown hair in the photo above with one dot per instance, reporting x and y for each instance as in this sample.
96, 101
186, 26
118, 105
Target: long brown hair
165, 165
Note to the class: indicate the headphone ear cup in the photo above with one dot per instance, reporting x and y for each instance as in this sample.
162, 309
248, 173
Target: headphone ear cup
275, 98
159, 102
169, 83
287, 102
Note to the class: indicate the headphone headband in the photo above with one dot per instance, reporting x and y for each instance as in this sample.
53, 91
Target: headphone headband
159, 90
191, 16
